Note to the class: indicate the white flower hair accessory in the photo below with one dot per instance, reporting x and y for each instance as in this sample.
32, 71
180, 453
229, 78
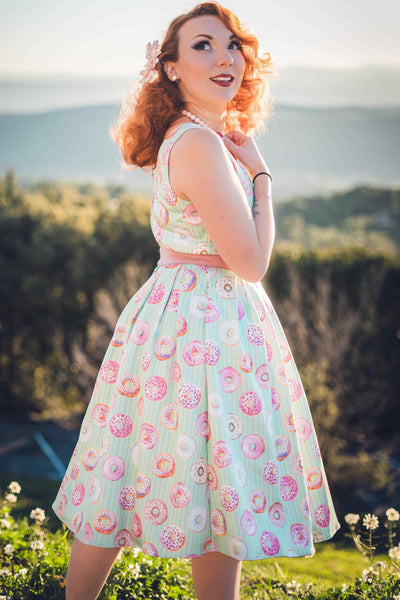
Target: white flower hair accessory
149, 73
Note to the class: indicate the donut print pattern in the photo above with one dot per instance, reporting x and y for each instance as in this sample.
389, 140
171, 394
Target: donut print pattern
198, 436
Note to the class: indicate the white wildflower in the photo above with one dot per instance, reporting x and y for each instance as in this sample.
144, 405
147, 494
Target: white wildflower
14, 487
394, 553
371, 522
352, 519
9, 549
344, 587
397, 597
22, 572
392, 514
5, 524
11, 498
135, 569
38, 514
5, 573
37, 545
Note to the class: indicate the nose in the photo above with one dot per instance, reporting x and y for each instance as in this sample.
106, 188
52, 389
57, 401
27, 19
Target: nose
225, 58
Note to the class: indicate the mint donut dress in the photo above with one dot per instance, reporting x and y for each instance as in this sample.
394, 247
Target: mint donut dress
198, 436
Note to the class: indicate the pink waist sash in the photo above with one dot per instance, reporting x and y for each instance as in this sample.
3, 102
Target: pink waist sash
169, 257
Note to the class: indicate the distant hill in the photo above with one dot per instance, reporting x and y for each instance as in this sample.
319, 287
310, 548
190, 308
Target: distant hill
309, 150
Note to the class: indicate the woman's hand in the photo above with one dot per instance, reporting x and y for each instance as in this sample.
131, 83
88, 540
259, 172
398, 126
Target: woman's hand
245, 149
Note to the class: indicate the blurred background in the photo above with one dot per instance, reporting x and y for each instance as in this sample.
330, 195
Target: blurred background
75, 242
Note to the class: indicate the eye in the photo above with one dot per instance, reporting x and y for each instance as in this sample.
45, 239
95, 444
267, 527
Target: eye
237, 45
203, 45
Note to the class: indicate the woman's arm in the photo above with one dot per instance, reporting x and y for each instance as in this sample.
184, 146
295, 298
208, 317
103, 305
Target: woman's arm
202, 172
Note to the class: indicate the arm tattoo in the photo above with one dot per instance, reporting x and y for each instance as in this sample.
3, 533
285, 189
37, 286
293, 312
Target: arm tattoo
254, 209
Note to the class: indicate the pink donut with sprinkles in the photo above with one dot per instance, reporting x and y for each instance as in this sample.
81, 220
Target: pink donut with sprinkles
257, 501
297, 464
314, 478
74, 471
288, 488
182, 325
175, 372
145, 362
270, 472
276, 399
194, 353
123, 539
234, 425
203, 426
289, 422
299, 535
99, 414
109, 371
164, 347
136, 526
268, 351
121, 425
221, 454
169, 416
169, 194
87, 533
252, 446
303, 428
295, 389
173, 301
218, 523
277, 514
143, 485
269, 543
280, 372
212, 478
155, 512
155, 388
117, 339
248, 523
286, 355
113, 468
179, 495
149, 549
105, 522
126, 497
212, 353
260, 308
246, 362
250, 404
140, 333
188, 280
78, 494
262, 377
172, 537
229, 498
148, 436
191, 215
282, 447
90, 458
157, 294
189, 395
212, 312
255, 334
230, 380
322, 515
128, 385
163, 465
208, 545
199, 471
61, 505
76, 522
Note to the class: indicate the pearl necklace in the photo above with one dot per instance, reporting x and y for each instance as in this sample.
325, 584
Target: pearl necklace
195, 119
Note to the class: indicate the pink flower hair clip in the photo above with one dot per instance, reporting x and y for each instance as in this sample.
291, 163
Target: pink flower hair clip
149, 72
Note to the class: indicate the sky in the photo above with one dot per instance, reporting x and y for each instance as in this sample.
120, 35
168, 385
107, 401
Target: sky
99, 37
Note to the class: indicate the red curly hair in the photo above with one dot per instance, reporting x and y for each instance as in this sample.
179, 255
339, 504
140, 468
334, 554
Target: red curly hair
147, 113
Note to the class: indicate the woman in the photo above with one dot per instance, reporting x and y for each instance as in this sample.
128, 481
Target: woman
198, 441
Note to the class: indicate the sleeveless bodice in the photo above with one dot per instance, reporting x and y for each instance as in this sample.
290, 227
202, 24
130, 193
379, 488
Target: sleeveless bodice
175, 222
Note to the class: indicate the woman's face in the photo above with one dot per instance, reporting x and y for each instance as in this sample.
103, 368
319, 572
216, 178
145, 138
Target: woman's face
210, 66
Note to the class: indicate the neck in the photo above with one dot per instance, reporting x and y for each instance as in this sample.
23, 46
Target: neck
215, 120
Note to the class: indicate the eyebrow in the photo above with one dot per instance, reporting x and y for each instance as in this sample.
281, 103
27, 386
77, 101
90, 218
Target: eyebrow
210, 37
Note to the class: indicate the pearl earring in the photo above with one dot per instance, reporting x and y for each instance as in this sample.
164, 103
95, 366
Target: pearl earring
173, 78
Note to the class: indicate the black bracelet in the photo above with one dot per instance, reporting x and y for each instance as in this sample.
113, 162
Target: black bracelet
262, 173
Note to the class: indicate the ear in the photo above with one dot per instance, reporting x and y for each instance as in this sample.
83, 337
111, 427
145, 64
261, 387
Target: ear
169, 69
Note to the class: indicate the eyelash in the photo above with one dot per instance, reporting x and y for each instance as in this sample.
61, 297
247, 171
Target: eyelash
199, 45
